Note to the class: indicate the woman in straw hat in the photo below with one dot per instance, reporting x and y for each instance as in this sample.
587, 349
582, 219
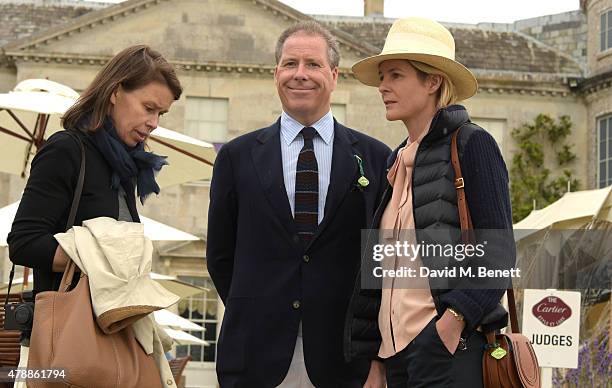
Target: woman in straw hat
425, 335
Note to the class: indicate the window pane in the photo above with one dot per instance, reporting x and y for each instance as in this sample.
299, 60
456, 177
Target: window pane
196, 353
206, 118
609, 41
602, 129
602, 171
602, 150
181, 351
610, 169
607, 155
602, 32
210, 333
209, 353
201, 309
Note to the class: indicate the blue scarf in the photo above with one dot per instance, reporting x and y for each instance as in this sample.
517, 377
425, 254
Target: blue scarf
129, 163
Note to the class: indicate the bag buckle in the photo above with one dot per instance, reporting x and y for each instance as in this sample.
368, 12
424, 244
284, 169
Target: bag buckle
459, 183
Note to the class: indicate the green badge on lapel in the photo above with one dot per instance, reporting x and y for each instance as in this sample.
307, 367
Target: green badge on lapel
362, 181
498, 353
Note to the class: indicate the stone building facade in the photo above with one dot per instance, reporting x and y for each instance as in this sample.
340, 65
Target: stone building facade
224, 53
596, 89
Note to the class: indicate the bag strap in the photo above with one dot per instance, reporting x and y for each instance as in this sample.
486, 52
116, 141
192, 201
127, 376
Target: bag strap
69, 270
76, 198
466, 220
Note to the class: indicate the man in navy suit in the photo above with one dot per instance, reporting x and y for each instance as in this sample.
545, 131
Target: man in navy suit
287, 205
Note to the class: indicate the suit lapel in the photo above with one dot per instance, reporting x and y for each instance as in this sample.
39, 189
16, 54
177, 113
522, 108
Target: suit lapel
268, 164
343, 172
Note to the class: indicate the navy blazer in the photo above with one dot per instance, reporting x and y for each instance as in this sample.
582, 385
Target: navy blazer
268, 280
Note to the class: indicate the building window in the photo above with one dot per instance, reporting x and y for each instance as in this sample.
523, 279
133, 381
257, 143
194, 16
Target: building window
606, 30
339, 112
206, 118
496, 127
604, 138
201, 309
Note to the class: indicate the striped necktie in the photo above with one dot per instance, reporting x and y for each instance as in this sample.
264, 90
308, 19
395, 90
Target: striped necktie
307, 188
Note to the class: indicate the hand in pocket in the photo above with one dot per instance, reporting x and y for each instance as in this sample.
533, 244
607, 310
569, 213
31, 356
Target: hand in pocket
449, 331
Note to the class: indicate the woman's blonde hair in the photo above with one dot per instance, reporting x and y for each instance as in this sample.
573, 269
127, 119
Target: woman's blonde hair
446, 93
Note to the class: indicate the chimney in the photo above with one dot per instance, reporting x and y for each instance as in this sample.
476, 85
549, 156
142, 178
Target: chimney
373, 7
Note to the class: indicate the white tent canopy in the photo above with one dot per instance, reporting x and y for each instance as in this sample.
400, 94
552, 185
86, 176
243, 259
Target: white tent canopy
176, 286
172, 320
182, 338
572, 211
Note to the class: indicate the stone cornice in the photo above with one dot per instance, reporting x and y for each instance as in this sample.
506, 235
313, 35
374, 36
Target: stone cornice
490, 82
180, 65
596, 83
82, 24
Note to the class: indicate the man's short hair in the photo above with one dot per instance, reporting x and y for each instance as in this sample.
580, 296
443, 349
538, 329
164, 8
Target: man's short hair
311, 28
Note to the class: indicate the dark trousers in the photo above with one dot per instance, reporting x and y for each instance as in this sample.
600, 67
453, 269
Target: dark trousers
426, 362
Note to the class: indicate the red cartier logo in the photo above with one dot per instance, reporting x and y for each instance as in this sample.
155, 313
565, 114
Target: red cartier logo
551, 311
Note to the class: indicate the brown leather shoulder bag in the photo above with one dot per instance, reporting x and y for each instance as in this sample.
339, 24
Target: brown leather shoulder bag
509, 360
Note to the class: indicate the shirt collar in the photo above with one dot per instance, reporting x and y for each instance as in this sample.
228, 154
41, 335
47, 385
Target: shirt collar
290, 127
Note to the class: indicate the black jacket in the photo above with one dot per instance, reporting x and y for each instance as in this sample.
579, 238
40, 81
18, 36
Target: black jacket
267, 279
435, 207
47, 198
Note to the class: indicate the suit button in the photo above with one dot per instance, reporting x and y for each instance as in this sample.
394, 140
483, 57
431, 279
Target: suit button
306, 258
296, 304
296, 239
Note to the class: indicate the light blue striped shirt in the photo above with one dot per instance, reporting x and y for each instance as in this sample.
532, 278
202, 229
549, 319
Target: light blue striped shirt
291, 145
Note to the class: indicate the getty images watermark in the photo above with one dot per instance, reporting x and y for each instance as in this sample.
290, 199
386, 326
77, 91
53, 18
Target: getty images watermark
438, 259
579, 259
412, 252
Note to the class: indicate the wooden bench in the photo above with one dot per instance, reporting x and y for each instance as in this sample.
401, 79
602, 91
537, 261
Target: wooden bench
177, 366
9, 339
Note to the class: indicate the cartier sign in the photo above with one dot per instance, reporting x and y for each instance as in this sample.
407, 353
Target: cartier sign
552, 311
551, 321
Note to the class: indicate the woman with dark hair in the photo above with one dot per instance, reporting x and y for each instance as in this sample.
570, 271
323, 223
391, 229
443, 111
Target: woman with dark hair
113, 118
422, 334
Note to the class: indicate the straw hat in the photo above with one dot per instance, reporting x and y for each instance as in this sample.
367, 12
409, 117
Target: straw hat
424, 41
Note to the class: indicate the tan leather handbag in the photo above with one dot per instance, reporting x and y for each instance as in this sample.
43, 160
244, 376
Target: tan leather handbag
509, 361
66, 337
